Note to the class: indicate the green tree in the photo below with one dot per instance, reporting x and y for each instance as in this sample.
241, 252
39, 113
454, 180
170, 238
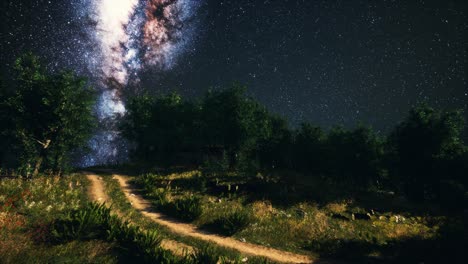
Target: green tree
275, 148
310, 150
426, 149
48, 115
162, 128
232, 122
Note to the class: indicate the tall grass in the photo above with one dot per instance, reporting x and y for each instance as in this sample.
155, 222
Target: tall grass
231, 222
187, 208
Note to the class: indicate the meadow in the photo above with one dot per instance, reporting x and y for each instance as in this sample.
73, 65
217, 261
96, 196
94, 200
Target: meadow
52, 220
376, 227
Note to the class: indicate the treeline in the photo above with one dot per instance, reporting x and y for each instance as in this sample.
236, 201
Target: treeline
43, 118
423, 157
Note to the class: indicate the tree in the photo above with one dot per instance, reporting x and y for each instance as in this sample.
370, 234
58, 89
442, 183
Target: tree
275, 149
49, 115
309, 149
355, 156
232, 121
162, 128
427, 149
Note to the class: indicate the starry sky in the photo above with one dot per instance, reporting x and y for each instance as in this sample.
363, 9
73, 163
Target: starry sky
328, 62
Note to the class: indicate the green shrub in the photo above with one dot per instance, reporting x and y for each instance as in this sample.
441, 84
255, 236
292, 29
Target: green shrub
205, 255
159, 196
95, 221
230, 223
188, 208
84, 224
148, 181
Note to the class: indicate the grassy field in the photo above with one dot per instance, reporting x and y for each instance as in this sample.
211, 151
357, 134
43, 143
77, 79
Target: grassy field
27, 209
121, 204
50, 220
371, 226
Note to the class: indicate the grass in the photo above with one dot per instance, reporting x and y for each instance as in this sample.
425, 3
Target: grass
26, 210
121, 204
230, 223
390, 230
366, 226
50, 220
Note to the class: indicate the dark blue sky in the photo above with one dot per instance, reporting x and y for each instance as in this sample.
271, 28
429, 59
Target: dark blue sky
328, 62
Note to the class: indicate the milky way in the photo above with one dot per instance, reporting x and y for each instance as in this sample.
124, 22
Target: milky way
131, 35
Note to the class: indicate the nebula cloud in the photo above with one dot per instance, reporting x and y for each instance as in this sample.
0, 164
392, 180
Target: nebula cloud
130, 36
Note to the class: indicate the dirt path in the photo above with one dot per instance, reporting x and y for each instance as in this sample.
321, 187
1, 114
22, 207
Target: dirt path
96, 190
189, 230
97, 193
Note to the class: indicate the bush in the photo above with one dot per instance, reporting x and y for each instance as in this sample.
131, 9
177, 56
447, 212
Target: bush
84, 224
148, 181
159, 197
187, 208
94, 221
230, 223
205, 255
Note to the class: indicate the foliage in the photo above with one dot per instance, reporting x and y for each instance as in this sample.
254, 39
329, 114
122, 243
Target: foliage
162, 128
426, 149
187, 208
357, 157
205, 255
47, 115
228, 131
168, 130
231, 222
25, 226
232, 121
94, 221
91, 222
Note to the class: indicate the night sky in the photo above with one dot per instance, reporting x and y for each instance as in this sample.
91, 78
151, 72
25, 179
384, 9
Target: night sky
328, 62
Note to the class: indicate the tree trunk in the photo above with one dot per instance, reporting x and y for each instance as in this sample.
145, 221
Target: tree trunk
39, 160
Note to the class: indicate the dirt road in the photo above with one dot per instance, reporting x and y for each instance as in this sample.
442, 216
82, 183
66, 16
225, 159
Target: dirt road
144, 207
98, 194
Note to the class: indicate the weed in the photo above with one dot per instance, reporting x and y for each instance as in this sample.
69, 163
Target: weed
230, 223
205, 255
187, 208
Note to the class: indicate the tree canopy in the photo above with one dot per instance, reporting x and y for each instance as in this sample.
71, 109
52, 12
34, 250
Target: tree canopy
48, 115
423, 152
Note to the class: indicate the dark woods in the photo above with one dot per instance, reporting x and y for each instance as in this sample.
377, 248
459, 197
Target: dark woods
424, 157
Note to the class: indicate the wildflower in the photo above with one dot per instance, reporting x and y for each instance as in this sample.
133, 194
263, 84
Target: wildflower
48, 208
32, 204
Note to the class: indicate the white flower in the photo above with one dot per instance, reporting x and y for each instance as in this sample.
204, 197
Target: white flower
49, 208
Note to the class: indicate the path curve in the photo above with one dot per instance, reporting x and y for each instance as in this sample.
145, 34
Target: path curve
145, 208
97, 193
